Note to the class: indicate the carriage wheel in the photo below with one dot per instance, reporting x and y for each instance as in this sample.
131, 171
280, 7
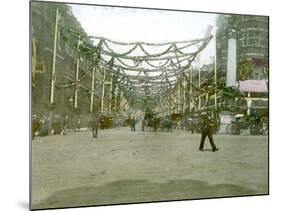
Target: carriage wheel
255, 130
232, 129
228, 128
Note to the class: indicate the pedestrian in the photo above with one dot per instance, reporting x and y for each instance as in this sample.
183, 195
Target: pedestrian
206, 130
133, 124
94, 125
192, 127
65, 122
143, 122
44, 129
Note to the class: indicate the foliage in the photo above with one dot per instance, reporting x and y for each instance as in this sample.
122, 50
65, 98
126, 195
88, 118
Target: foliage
245, 68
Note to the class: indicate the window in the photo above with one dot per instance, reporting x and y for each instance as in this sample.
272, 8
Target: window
245, 17
252, 38
244, 39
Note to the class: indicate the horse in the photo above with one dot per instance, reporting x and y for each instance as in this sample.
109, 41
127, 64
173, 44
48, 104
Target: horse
153, 123
44, 129
57, 124
36, 125
167, 123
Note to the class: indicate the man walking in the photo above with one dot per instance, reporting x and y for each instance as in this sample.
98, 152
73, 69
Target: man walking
94, 124
207, 125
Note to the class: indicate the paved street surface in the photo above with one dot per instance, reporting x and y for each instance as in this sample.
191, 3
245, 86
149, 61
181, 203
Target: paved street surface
125, 167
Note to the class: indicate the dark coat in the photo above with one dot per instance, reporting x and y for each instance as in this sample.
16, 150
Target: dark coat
207, 124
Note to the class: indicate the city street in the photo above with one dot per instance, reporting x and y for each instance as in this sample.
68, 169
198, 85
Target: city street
125, 167
202, 71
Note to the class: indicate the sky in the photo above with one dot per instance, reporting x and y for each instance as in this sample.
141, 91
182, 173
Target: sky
156, 26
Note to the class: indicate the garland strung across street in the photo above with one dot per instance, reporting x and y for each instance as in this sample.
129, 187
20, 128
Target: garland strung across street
142, 70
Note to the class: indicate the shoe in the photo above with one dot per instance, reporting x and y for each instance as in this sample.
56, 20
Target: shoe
217, 149
200, 149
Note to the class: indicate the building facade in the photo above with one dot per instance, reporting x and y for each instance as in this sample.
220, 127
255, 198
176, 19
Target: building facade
251, 33
249, 96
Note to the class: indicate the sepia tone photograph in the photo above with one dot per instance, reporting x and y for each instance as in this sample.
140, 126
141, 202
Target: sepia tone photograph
134, 105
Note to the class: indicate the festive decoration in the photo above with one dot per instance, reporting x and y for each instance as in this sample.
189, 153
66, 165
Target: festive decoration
142, 70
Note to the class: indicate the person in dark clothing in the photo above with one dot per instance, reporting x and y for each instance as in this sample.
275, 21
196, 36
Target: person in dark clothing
143, 124
207, 125
94, 125
133, 124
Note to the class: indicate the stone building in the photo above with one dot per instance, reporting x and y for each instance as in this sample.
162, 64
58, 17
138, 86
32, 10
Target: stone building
249, 95
251, 34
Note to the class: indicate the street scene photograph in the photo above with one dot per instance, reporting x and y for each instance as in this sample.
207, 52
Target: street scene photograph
135, 105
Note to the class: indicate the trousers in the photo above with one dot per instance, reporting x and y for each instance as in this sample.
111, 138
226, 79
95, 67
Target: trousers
203, 137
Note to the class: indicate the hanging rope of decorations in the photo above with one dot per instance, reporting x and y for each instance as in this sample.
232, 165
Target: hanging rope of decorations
168, 62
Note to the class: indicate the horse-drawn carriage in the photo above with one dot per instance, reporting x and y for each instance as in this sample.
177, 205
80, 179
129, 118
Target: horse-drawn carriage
166, 123
151, 121
255, 125
44, 126
106, 122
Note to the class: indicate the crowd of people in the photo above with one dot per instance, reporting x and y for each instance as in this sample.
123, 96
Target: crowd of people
206, 123
54, 124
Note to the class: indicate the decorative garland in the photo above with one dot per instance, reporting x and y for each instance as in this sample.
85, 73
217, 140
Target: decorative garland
116, 63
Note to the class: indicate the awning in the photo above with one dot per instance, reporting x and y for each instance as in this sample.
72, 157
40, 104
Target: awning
253, 86
239, 115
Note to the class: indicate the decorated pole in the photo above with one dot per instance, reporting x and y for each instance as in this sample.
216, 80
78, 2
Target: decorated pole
110, 97
215, 69
92, 90
116, 99
199, 84
199, 81
53, 73
215, 82
190, 89
180, 100
103, 87
77, 76
183, 94
170, 102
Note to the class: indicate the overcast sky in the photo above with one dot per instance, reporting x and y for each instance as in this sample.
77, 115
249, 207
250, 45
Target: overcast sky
126, 25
